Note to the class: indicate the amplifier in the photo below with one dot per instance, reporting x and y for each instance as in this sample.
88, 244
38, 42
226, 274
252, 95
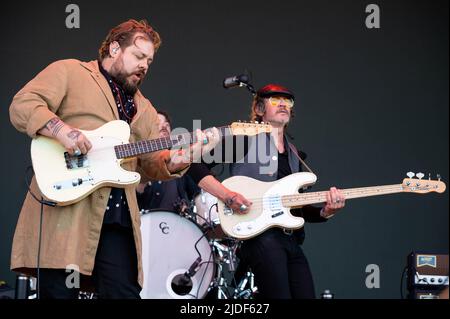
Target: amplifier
427, 270
429, 293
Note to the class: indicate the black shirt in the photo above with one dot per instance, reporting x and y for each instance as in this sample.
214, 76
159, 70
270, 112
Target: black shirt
169, 195
283, 165
310, 213
117, 211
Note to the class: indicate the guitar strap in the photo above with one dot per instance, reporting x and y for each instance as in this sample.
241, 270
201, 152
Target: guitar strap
293, 149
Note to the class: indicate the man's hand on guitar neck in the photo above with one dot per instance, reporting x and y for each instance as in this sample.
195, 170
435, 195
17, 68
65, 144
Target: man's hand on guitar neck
183, 157
335, 202
75, 142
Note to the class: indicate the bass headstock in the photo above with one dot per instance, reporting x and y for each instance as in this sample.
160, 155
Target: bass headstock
422, 186
250, 128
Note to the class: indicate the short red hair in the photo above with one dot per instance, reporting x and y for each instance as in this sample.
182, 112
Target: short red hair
124, 34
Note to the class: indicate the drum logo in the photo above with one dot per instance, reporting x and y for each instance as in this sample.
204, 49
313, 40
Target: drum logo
164, 228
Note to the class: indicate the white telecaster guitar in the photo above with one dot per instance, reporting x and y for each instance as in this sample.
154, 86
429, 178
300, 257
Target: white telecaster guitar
66, 179
272, 201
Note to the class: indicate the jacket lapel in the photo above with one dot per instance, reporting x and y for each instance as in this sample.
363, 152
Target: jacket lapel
92, 66
138, 104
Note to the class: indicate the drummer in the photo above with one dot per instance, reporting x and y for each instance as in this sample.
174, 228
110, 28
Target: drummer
174, 195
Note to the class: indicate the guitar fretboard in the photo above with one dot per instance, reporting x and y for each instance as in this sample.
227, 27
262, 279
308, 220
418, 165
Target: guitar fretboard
148, 146
298, 200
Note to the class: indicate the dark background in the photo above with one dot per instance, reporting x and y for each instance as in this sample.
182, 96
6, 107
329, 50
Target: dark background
371, 104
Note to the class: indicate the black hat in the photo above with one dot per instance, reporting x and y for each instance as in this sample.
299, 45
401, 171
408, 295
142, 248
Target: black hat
274, 89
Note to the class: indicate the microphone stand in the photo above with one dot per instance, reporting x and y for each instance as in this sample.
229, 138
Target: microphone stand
248, 87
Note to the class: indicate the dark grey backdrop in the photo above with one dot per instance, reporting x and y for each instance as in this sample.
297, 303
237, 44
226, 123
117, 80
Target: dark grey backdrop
371, 105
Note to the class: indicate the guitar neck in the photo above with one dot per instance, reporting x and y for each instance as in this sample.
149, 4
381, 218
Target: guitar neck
148, 146
299, 200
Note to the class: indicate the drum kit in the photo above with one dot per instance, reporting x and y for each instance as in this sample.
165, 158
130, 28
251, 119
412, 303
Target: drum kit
188, 256
184, 256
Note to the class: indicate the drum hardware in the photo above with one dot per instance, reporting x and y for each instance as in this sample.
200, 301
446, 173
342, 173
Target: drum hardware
220, 284
241, 292
183, 207
224, 251
87, 295
225, 254
206, 210
205, 225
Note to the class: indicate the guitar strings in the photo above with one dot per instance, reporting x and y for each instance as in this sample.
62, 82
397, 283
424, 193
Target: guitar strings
306, 196
310, 198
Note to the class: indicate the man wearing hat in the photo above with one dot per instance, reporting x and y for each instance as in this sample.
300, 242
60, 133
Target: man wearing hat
275, 257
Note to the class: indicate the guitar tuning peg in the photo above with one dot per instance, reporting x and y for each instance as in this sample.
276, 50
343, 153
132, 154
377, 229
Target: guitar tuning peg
438, 177
256, 122
420, 175
410, 174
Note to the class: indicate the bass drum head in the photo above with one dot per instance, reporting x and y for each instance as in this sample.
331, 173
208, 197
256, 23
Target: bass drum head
169, 244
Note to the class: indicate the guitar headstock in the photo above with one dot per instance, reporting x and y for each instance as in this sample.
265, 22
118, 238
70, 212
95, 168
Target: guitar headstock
250, 128
422, 186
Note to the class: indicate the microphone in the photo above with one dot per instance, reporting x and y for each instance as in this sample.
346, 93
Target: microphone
186, 278
234, 81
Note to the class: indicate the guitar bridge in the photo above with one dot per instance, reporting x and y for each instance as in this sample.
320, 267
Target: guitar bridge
228, 211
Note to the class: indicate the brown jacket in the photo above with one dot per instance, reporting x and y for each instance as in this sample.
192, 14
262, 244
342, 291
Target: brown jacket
78, 94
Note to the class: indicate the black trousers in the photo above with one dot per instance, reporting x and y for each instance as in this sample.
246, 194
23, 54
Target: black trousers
115, 269
280, 267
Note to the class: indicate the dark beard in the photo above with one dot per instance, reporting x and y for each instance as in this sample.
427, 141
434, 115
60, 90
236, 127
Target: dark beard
128, 87
121, 78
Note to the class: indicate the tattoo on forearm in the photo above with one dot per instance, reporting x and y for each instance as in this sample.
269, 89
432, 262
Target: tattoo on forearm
74, 134
54, 125
57, 128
